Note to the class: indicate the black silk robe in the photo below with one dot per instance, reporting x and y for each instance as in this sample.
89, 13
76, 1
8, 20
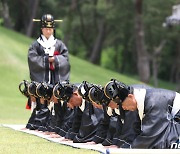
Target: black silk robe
90, 119
159, 129
39, 64
40, 71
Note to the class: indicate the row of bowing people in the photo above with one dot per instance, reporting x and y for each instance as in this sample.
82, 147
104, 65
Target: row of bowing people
86, 112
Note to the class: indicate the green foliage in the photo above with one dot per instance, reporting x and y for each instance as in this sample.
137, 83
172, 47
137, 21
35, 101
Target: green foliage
1, 21
59, 33
111, 58
106, 58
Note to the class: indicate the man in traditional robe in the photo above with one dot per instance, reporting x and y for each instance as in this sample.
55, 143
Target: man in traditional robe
122, 129
86, 119
48, 62
158, 109
48, 57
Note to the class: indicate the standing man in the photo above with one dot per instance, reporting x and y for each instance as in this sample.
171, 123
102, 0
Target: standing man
48, 62
48, 57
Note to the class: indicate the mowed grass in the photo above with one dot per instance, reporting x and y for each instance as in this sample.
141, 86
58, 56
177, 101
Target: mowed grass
22, 143
13, 69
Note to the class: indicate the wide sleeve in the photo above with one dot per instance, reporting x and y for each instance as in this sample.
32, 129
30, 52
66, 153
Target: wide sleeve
62, 64
37, 62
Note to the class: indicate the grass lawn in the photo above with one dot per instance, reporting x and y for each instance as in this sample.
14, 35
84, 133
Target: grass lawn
22, 143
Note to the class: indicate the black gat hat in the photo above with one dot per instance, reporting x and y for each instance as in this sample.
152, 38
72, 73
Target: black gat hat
117, 90
47, 21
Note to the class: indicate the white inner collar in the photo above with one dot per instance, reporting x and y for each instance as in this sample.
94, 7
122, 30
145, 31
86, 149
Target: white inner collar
139, 95
176, 104
82, 107
48, 44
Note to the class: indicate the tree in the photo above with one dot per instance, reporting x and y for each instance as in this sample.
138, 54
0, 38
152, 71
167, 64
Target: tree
5, 14
142, 55
70, 15
155, 63
33, 4
175, 68
97, 47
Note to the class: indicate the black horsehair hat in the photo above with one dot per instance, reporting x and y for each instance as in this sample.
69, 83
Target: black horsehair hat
64, 90
117, 90
47, 21
84, 88
96, 94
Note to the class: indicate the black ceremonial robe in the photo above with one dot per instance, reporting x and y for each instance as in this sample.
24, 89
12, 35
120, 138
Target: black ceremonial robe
127, 129
90, 119
106, 128
113, 122
129, 125
160, 112
39, 65
103, 127
39, 117
73, 131
41, 71
65, 122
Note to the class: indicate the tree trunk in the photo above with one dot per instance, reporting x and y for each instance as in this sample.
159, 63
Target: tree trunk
22, 16
142, 55
85, 31
33, 7
155, 62
175, 69
177, 66
97, 48
5, 14
68, 32
178, 79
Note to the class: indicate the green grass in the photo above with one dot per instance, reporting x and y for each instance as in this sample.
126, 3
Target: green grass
13, 69
22, 143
